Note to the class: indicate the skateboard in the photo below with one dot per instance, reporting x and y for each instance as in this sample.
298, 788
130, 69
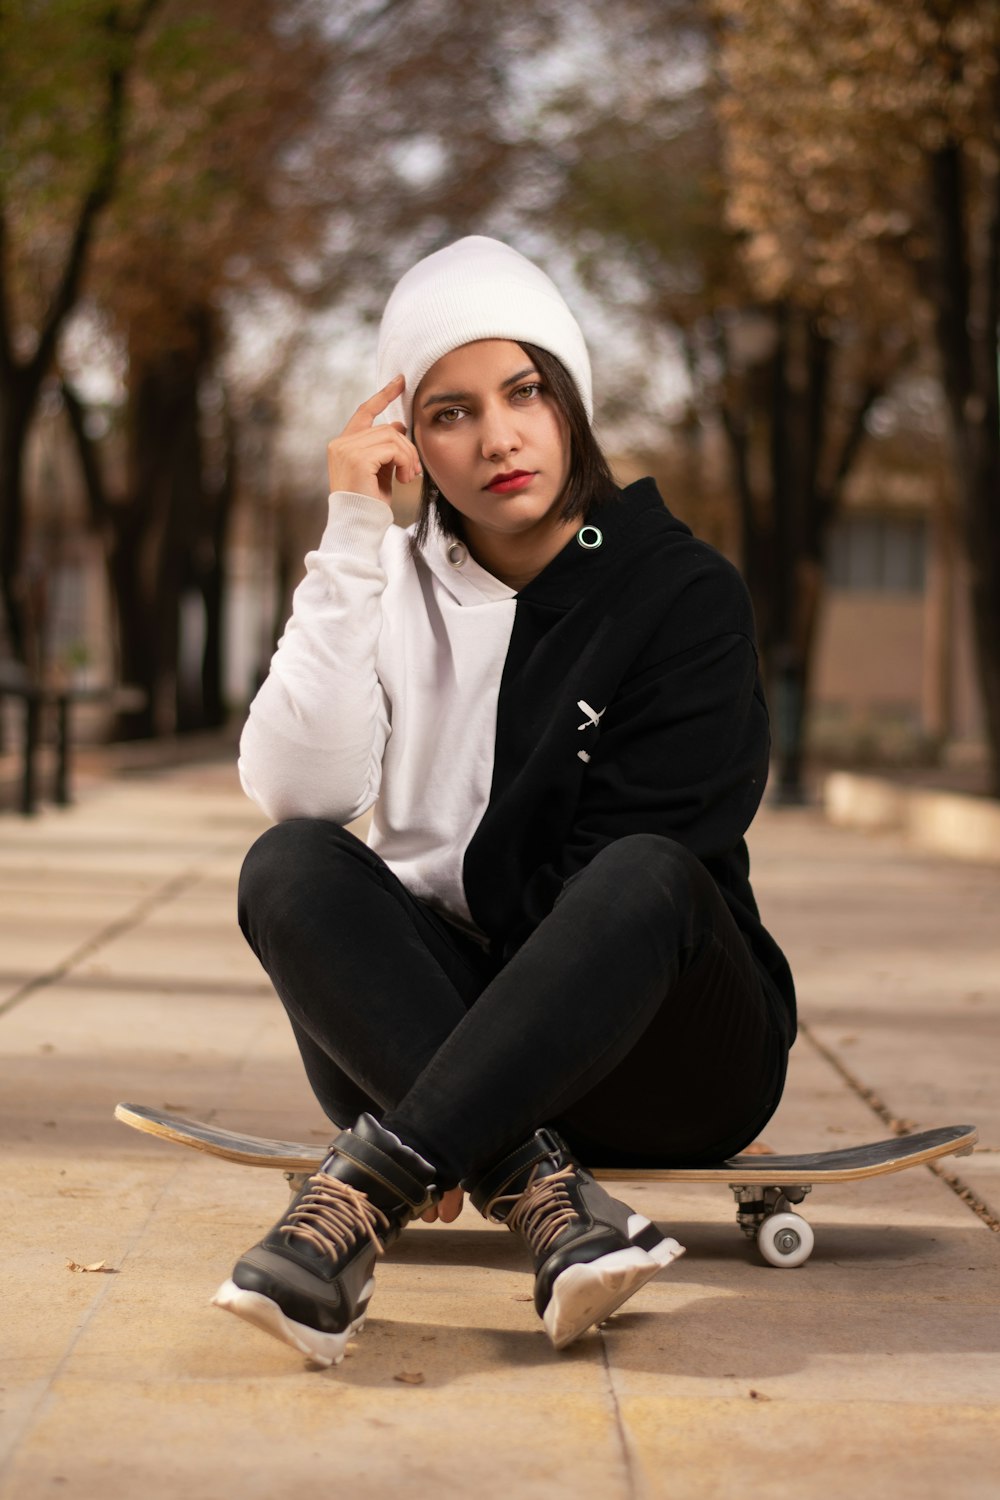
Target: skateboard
766, 1188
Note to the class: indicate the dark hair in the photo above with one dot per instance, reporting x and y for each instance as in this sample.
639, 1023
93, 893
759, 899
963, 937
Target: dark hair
590, 480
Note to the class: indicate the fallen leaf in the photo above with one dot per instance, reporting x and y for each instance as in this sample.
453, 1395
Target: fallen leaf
97, 1265
523, 1297
759, 1396
758, 1148
409, 1377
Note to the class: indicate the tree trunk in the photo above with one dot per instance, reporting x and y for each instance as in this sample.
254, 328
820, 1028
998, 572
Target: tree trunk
213, 696
784, 533
797, 425
980, 498
166, 500
118, 38
165, 539
17, 403
966, 296
211, 558
136, 647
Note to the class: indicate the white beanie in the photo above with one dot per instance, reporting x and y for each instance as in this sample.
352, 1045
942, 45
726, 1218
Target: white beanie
477, 288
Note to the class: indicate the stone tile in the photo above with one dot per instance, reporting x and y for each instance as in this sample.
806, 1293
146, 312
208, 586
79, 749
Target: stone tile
789, 1449
202, 1401
897, 958
896, 1316
875, 1365
184, 955
287, 1432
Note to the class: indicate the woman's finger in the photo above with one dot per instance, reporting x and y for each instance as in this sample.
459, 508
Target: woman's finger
447, 1209
451, 1205
375, 405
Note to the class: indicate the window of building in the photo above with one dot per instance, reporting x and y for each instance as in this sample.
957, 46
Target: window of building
884, 554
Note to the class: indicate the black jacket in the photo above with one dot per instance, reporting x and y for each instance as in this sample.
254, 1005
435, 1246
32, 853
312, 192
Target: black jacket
652, 632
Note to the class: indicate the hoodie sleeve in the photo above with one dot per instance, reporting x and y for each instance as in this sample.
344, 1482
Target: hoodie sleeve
312, 745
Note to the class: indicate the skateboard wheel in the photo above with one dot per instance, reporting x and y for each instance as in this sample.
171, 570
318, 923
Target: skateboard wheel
785, 1240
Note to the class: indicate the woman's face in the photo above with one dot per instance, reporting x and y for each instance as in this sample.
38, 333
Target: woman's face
493, 441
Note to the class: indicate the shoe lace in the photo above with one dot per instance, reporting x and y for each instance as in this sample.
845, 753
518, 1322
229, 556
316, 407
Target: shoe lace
544, 1210
332, 1216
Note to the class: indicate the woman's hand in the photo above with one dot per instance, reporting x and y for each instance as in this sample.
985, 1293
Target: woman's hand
364, 457
448, 1209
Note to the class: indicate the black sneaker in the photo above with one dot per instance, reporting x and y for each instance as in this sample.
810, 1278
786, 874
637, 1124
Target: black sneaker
591, 1252
309, 1279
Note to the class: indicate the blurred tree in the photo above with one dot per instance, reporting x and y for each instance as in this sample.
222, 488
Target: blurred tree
219, 106
293, 150
863, 160
639, 182
64, 106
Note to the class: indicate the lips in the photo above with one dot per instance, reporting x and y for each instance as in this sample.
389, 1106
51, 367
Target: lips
505, 484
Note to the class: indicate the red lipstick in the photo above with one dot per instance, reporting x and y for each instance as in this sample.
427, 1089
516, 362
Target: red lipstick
506, 484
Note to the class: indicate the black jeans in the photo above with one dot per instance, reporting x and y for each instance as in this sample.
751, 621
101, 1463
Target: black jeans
633, 1019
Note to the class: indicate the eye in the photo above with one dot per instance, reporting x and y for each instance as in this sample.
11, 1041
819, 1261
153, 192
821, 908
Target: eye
449, 415
530, 391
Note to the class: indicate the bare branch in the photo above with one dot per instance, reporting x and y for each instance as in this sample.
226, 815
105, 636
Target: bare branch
102, 184
734, 425
90, 464
367, 24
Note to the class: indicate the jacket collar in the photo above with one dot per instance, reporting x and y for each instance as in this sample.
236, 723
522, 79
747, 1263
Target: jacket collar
576, 569
456, 569
570, 574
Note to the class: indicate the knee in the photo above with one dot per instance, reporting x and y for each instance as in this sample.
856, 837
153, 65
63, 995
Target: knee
647, 851
651, 861
287, 857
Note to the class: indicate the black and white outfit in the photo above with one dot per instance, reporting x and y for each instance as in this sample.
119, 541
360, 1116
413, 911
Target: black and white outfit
551, 927
522, 752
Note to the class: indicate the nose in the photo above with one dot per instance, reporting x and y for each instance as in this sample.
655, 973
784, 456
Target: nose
498, 433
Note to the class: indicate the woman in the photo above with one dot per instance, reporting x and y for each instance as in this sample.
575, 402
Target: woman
548, 957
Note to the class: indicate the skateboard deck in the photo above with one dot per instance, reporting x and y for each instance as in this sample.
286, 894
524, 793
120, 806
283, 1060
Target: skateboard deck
765, 1187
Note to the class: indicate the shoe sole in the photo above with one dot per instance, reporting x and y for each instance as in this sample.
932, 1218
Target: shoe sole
321, 1349
591, 1291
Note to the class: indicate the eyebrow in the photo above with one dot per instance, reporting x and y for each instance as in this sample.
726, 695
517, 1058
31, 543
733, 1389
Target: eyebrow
446, 398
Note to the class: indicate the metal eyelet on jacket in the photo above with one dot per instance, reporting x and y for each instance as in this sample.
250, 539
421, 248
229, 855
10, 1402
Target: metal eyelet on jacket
457, 555
590, 537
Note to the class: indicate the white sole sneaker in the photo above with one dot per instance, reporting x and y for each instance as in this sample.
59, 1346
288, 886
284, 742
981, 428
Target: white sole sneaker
591, 1291
321, 1349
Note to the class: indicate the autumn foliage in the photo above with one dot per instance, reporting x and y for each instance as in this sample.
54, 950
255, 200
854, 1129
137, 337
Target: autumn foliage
862, 149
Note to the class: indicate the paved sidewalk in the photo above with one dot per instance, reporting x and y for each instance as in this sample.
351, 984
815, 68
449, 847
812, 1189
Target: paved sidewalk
872, 1371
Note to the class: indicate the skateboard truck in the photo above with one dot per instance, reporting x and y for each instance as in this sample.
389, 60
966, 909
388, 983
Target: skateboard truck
764, 1215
